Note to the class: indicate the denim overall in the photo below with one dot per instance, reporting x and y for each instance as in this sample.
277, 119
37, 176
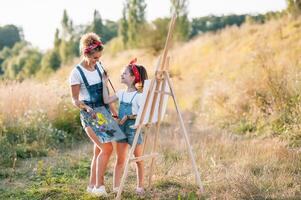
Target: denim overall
125, 108
95, 91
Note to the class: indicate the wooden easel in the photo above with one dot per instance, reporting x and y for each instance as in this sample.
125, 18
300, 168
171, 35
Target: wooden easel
160, 80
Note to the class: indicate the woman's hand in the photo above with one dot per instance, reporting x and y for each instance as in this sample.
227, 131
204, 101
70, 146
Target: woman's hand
123, 120
90, 111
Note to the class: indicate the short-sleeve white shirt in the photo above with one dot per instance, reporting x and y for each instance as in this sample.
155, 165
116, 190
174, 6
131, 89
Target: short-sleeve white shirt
92, 77
127, 97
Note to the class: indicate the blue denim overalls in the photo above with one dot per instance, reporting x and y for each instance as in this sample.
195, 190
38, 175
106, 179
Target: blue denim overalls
95, 94
125, 108
108, 130
95, 91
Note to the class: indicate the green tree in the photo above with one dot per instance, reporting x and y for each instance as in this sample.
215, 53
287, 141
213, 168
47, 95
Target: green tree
9, 35
22, 61
123, 26
106, 31
110, 30
68, 44
67, 26
214, 23
97, 24
294, 7
57, 40
66, 51
135, 19
51, 61
9, 65
32, 63
158, 34
182, 28
4, 54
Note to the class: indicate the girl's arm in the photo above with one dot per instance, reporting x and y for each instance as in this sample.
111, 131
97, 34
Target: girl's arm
106, 98
113, 110
126, 117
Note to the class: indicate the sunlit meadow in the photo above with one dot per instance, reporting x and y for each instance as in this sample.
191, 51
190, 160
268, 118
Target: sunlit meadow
239, 93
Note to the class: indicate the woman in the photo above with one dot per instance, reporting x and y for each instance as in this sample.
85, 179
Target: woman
86, 92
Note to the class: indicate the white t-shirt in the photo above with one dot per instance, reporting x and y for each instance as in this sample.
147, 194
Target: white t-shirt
127, 97
91, 76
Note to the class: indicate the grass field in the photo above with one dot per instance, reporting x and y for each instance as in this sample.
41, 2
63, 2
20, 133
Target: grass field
231, 167
239, 92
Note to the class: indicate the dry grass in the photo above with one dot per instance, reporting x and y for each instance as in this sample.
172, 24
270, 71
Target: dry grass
231, 167
17, 99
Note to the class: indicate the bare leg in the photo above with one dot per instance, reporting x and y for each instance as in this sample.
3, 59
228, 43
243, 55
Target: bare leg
121, 151
93, 137
140, 165
96, 152
102, 158
102, 162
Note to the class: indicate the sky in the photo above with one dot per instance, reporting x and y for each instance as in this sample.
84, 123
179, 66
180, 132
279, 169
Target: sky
40, 18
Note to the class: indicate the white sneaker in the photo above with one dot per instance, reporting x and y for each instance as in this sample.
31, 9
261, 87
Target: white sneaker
140, 191
90, 189
101, 191
115, 189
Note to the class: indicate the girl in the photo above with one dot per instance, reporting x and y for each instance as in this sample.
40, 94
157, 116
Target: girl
133, 77
86, 87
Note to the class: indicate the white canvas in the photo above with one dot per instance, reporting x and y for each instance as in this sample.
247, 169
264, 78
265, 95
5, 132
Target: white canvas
156, 110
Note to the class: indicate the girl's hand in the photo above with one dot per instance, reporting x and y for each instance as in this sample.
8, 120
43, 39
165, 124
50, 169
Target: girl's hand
117, 120
123, 120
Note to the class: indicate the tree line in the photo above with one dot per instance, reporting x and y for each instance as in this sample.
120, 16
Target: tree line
19, 60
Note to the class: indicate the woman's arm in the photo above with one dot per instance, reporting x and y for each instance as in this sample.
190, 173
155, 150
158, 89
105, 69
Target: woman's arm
77, 103
106, 98
74, 96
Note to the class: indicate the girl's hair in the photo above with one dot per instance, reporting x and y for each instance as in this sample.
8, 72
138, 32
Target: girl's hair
89, 40
143, 76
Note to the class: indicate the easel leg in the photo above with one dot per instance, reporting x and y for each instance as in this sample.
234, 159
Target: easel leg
145, 142
197, 175
127, 163
154, 149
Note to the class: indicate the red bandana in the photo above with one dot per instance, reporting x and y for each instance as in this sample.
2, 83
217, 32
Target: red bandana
93, 46
135, 70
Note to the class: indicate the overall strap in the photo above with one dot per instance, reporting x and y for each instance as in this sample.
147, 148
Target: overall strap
122, 96
83, 76
99, 64
133, 97
99, 73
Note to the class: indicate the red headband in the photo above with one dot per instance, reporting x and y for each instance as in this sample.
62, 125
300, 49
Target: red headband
93, 46
135, 70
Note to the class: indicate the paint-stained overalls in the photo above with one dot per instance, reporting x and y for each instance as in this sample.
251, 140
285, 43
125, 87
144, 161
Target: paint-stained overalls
96, 99
125, 108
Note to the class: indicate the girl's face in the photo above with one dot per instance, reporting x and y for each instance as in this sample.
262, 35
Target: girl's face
93, 58
126, 77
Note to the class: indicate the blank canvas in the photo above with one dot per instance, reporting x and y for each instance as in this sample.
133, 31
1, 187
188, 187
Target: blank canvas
156, 109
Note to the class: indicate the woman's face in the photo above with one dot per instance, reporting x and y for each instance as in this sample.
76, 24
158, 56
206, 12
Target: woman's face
126, 77
93, 58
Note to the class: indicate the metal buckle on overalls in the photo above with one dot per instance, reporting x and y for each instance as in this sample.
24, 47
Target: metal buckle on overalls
94, 105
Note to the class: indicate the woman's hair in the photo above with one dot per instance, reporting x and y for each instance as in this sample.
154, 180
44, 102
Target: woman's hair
142, 73
90, 43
